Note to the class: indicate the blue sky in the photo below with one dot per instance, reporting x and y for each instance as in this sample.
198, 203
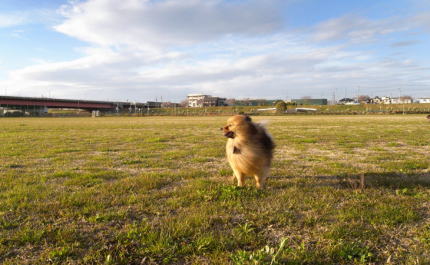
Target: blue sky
141, 49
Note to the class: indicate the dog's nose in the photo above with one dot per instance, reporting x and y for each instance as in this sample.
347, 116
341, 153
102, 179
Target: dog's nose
220, 128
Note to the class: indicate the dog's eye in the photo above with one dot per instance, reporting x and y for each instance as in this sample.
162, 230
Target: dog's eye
230, 125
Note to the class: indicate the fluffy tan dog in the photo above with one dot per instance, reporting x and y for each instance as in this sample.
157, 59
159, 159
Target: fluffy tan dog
249, 149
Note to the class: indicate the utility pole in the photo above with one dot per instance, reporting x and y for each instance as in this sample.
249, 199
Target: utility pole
399, 92
358, 91
344, 100
335, 95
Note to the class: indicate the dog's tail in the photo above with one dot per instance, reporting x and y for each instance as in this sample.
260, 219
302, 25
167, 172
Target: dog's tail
264, 123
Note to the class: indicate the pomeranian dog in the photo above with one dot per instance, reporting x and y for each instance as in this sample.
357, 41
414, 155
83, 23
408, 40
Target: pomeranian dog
249, 149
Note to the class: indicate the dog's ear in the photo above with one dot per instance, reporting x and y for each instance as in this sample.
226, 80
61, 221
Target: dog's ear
428, 117
247, 118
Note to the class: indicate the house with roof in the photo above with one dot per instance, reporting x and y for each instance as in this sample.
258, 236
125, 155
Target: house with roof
346, 101
213, 101
376, 100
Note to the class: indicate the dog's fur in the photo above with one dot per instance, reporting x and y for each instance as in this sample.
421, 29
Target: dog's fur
428, 117
249, 149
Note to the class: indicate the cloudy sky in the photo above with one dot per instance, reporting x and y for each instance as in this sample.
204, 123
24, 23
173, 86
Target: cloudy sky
145, 49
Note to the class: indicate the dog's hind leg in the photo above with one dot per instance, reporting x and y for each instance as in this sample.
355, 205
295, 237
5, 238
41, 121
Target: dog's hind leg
260, 181
260, 178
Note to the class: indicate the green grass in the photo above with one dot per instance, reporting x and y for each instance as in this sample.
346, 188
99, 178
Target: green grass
129, 190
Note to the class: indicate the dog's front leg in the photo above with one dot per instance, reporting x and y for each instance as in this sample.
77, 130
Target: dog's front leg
240, 178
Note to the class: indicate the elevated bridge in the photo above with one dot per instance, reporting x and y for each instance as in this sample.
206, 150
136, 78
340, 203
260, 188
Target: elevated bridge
42, 104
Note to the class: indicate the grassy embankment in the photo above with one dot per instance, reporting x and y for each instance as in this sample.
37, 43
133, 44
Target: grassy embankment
127, 190
333, 109
324, 109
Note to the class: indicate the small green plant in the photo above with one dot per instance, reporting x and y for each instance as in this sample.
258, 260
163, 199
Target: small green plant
265, 255
155, 140
59, 254
12, 165
355, 252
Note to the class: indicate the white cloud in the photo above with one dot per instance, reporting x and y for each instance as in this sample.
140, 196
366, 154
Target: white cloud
403, 43
16, 18
356, 29
141, 49
422, 19
169, 22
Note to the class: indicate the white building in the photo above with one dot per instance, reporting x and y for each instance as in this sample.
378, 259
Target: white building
402, 101
390, 100
196, 100
387, 100
424, 100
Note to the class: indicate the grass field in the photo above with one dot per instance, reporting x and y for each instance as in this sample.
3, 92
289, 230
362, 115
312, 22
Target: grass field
158, 190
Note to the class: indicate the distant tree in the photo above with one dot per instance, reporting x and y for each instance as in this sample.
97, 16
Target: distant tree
246, 101
261, 102
230, 101
167, 104
405, 97
275, 102
362, 98
306, 99
281, 107
239, 103
184, 103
